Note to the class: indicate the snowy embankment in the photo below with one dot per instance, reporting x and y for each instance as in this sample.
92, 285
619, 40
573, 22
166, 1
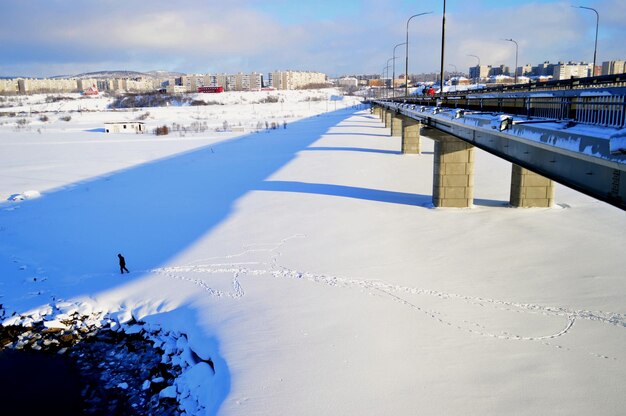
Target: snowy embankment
308, 265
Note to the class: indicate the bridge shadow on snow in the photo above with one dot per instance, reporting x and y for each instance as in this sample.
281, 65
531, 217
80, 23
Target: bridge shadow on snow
369, 124
357, 134
149, 212
347, 192
152, 211
352, 149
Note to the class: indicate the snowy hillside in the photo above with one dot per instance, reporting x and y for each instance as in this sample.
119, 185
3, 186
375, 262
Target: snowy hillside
308, 263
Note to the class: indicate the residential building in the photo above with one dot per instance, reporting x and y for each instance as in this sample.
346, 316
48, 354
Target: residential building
8, 86
348, 82
44, 85
499, 70
175, 89
500, 79
479, 71
613, 67
292, 80
543, 69
524, 70
191, 82
571, 70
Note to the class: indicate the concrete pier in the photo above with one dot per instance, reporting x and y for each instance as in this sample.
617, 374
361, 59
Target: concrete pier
411, 136
453, 173
396, 124
529, 189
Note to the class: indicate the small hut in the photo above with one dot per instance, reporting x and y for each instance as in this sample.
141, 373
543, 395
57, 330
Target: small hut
125, 127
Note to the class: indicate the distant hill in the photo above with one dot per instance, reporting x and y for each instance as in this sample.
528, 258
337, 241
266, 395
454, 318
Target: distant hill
165, 74
123, 74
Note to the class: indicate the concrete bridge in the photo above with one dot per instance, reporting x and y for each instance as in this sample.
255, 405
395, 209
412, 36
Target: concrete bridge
588, 157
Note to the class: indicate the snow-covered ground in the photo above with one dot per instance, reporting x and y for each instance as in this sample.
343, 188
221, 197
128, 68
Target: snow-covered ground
307, 262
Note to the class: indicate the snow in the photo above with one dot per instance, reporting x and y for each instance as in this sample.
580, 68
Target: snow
25, 195
618, 141
308, 265
55, 324
593, 140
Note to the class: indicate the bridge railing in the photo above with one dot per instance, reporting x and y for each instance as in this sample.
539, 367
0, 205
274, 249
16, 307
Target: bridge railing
597, 106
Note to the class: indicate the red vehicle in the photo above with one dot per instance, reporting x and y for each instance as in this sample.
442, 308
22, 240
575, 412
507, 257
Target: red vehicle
212, 90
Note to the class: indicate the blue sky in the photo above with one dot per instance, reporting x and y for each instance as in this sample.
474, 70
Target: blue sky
53, 37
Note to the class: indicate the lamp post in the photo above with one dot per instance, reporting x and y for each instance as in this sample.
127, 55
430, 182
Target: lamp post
477, 75
516, 49
388, 66
382, 78
450, 75
443, 41
595, 47
406, 64
385, 76
393, 77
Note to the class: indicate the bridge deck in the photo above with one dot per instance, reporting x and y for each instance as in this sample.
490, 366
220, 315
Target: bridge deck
587, 158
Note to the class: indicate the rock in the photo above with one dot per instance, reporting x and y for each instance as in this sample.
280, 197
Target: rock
168, 393
55, 325
123, 386
145, 385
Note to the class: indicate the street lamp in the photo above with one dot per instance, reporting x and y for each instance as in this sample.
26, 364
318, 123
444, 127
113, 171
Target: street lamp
387, 69
478, 75
595, 47
393, 77
450, 75
382, 78
443, 41
406, 65
516, 49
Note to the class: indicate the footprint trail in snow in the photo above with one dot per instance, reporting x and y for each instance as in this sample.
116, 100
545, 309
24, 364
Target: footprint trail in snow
239, 265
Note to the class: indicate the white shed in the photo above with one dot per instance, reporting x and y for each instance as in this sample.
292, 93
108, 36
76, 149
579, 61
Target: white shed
125, 127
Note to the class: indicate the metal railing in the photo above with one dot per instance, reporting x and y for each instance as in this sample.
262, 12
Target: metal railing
600, 106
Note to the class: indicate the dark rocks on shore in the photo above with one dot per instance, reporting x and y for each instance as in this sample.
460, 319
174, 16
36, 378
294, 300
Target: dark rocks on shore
97, 370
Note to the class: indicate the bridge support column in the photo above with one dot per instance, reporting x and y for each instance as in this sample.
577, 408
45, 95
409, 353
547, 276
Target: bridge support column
388, 118
376, 110
396, 125
410, 136
453, 174
529, 189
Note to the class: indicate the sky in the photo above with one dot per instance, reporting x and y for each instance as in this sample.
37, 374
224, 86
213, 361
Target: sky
41, 38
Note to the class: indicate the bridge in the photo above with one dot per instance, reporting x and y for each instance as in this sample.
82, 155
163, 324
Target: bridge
569, 133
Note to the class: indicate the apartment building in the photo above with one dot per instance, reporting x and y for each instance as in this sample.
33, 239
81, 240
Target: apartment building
191, 82
500, 70
292, 80
613, 67
230, 82
44, 85
524, 70
479, 71
571, 70
349, 82
8, 86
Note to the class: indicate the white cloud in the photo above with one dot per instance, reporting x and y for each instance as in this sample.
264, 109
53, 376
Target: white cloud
192, 35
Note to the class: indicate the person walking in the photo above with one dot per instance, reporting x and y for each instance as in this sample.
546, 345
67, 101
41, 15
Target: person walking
122, 264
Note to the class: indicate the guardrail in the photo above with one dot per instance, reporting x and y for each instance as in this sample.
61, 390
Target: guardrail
603, 81
595, 106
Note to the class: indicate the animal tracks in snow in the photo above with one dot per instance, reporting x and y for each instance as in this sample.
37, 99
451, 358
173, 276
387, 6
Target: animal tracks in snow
240, 265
